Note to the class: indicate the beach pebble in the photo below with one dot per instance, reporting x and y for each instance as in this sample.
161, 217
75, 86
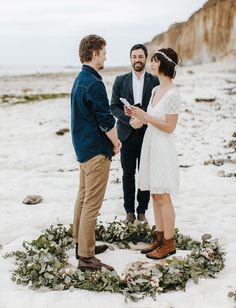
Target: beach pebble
32, 199
62, 131
226, 175
115, 181
205, 100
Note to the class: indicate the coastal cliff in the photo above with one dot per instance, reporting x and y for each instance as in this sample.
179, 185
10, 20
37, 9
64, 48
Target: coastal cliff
208, 35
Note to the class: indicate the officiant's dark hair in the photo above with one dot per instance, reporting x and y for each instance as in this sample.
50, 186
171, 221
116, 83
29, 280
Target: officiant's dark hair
168, 61
139, 46
88, 45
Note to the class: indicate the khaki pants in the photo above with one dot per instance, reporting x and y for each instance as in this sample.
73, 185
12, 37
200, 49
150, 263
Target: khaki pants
93, 181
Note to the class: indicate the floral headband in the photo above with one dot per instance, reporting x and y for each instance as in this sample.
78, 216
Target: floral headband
166, 57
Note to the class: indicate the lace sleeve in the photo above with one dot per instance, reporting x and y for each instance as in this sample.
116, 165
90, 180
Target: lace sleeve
173, 104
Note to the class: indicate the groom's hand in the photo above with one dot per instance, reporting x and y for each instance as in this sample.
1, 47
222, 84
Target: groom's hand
136, 123
116, 148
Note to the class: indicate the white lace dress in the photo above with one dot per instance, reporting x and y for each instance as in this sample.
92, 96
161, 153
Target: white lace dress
159, 166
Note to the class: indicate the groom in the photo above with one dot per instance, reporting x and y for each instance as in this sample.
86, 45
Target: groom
136, 87
95, 141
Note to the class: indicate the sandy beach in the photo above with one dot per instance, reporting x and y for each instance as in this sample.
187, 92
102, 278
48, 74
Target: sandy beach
35, 160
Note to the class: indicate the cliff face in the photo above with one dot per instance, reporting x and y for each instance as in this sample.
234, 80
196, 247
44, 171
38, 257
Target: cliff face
209, 34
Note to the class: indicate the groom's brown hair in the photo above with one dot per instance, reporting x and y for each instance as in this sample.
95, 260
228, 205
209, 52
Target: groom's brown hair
88, 45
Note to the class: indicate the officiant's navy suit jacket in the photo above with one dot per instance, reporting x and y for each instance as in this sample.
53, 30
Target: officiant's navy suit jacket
123, 88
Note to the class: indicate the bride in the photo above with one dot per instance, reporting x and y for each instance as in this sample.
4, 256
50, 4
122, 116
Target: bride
159, 168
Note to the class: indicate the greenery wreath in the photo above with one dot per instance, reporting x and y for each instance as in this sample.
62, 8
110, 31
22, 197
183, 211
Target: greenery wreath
44, 262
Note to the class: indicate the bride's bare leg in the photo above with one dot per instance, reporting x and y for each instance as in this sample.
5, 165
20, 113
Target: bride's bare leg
158, 239
167, 214
167, 211
157, 214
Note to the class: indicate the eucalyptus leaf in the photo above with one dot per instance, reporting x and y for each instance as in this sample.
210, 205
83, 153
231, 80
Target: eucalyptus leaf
67, 279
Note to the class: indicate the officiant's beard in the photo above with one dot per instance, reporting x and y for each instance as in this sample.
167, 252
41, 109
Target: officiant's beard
138, 66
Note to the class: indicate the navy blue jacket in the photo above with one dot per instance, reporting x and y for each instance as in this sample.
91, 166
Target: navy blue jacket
90, 116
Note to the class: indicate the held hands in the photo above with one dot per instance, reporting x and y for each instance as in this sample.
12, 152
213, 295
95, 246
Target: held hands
116, 148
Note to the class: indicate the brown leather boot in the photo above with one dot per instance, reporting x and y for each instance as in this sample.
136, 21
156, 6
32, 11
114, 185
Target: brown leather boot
168, 248
92, 264
155, 244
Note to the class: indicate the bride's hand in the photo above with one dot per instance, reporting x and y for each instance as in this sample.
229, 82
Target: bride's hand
136, 123
128, 111
138, 113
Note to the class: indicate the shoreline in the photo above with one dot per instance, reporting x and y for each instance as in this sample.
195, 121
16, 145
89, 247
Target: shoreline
42, 71
25, 71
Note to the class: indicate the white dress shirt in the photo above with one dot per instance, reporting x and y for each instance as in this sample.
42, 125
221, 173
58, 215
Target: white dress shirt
138, 88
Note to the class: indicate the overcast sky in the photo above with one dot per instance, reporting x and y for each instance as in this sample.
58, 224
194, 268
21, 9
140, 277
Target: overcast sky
47, 32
